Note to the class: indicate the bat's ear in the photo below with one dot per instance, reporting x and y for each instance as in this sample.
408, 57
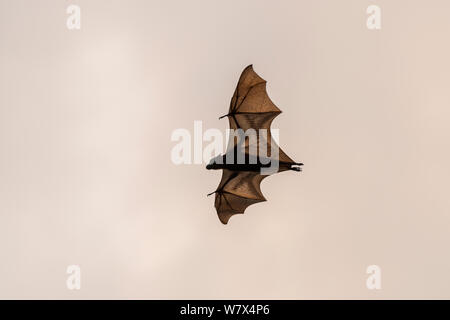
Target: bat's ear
216, 159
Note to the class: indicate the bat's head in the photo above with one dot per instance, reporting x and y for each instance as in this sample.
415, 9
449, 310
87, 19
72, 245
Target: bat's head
215, 163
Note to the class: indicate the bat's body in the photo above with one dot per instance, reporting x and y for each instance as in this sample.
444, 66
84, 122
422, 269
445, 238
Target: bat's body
252, 167
243, 168
256, 167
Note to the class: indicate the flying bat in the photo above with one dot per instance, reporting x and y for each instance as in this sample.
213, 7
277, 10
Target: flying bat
252, 154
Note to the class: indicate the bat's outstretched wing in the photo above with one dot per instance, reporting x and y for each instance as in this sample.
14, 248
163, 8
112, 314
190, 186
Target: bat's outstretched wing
251, 98
251, 108
237, 190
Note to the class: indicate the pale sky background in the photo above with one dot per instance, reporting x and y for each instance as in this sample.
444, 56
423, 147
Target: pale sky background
86, 178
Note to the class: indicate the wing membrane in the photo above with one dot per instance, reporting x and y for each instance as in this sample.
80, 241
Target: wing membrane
237, 190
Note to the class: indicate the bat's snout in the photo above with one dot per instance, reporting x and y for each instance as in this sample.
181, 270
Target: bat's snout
296, 167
